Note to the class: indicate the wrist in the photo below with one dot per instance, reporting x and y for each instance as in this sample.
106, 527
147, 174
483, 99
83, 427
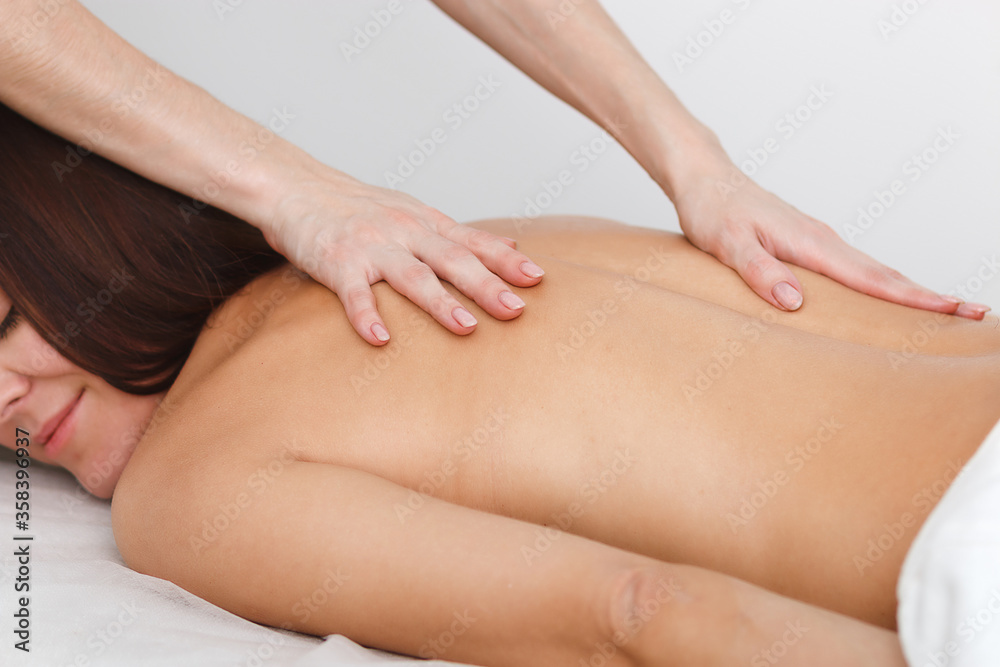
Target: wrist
270, 187
674, 148
685, 158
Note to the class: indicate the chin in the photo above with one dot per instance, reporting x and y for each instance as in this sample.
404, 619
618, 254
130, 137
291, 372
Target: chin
99, 474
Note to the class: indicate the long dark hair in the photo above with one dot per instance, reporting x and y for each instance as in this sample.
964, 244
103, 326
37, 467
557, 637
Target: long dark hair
104, 264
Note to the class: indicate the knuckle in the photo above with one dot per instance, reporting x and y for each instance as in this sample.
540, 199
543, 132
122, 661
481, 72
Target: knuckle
824, 230
331, 252
441, 221
326, 236
480, 240
455, 253
372, 224
490, 284
358, 300
877, 275
441, 305
756, 267
893, 274
416, 272
732, 229
398, 217
368, 235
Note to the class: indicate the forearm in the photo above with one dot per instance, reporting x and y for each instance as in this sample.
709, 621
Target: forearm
78, 78
583, 58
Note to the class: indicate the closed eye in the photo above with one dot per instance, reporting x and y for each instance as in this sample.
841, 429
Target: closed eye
9, 322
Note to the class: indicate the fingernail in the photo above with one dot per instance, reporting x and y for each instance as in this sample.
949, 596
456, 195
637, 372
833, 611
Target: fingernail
379, 332
975, 311
531, 270
510, 300
952, 299
787, 296
463, 317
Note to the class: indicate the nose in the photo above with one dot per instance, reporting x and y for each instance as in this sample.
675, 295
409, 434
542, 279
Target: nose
13, 387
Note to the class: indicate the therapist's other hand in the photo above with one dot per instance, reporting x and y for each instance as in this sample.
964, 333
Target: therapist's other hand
749, 229
348, 235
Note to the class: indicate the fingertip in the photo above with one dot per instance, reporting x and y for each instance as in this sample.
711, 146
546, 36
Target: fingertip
523, 274
973, 311
380, 332
787, 296
531, 270
954, 303
464, 318
518, 279
510, 300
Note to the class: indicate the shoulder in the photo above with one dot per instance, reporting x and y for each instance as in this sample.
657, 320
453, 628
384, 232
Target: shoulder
262, 295
272, 300
214, 372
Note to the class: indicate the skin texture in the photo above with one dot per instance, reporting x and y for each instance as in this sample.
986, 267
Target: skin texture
564, 470
63, 68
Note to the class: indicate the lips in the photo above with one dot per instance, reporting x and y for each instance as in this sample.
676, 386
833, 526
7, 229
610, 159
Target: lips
52, 424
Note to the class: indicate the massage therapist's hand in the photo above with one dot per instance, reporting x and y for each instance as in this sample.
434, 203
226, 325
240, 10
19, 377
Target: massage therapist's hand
348, 235
749, 229
73, 75
581, 56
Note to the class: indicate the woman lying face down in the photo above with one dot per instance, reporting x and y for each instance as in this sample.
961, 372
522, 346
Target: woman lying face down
655, 467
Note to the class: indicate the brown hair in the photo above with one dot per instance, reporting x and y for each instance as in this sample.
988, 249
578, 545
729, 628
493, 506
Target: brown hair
71, 237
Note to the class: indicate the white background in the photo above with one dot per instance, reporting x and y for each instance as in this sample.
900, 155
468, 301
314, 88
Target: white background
890, 94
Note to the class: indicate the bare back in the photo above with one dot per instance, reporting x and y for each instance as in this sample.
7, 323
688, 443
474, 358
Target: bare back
645, 399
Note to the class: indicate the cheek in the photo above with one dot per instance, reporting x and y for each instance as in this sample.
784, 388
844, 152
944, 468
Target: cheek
36, 358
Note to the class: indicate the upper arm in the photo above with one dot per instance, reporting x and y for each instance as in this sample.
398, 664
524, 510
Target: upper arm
326, 549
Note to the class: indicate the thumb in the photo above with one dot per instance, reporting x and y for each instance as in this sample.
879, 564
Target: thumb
769, 278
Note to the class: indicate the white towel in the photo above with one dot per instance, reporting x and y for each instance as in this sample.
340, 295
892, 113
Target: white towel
949, 588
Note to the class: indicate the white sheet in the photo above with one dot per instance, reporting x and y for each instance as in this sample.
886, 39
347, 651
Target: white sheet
87, 608
949, 589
